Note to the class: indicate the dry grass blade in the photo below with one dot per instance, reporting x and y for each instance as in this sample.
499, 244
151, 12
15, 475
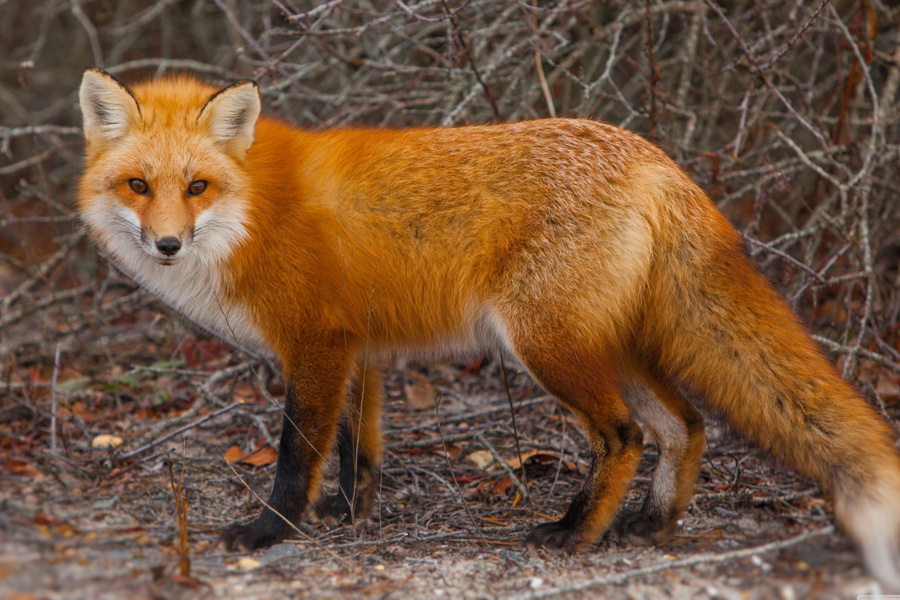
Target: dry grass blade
181, 508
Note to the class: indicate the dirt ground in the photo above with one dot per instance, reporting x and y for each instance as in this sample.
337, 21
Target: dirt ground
99, 523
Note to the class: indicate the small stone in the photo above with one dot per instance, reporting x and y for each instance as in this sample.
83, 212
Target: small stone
105, 504
787, 593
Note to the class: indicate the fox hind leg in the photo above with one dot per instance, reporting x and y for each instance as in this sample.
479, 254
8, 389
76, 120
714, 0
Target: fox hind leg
586, 383
359, 448
678, 430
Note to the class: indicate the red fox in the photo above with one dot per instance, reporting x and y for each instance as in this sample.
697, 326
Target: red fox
573, 246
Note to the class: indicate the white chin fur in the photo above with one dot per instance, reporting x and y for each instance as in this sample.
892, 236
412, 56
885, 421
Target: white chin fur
194, 283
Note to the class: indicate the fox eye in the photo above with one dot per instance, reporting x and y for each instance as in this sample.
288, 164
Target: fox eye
197, 187
138, 186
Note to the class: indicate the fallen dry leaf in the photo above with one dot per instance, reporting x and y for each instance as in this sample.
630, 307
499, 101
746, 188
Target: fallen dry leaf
20, 467
47, 520
266, 455
104, 441
244, 392
480, 458
420, 394
452, 450
234, 454
248, 563
502, 485
540, 456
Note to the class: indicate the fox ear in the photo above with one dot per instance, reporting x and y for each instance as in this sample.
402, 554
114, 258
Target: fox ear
231, 114
109, 108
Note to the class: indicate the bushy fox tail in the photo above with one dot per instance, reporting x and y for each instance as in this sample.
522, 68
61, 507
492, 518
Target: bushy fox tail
714, 326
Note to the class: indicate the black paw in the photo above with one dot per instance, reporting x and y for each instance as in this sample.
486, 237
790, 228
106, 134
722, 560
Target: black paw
556, 536
334, 508
644, 528
267, 530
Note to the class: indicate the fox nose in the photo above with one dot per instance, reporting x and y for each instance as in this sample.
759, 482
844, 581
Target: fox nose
169, 245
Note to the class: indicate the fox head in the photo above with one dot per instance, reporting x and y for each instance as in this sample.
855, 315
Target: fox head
164, 177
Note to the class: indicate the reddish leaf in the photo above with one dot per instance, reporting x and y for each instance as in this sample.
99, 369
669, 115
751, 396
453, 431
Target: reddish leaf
267, 455
189, 352
47, 520
539, 456
245, 393
234, 454
20, 467
502, 485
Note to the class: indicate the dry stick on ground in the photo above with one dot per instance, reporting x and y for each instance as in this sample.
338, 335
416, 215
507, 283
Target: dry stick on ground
475, 414
520, 487
206, 390
42, 274
437, 416
545, 89
53, 381
752, 60
175, 432
79, 13
843, 349
512, 414
769, 247
432, 442
794, 39
692, 561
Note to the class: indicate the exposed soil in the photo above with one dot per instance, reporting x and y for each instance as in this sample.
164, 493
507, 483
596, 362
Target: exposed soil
449, 520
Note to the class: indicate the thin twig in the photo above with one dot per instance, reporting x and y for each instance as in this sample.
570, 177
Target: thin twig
437, 416
512, 414
699, 559
53, 447
182, 429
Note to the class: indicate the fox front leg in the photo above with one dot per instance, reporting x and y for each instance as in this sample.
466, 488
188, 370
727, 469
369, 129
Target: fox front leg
316, 384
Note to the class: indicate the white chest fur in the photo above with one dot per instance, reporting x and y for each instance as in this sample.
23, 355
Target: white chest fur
195, 289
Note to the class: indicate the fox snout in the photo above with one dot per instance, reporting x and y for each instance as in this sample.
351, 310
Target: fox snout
167, 225
169, 245
167, 248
